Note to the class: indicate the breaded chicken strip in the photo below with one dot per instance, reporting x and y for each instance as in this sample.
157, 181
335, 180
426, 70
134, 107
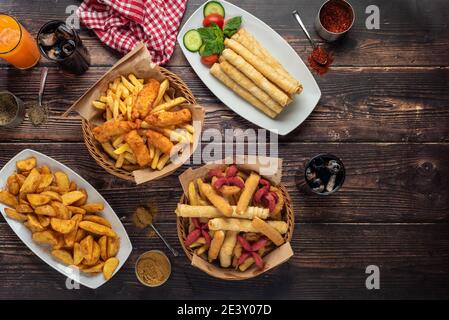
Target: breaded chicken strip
139, 148
159, 141
165, 119
145, 99
112, 128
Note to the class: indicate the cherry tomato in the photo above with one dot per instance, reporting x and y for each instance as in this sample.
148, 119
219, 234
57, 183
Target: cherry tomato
209, 60
213, 17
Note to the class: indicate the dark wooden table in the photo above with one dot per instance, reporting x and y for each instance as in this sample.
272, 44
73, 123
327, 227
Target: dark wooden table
384, 111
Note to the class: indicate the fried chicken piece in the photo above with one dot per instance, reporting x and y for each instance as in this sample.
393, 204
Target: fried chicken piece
159, 141
165, 119
112, 128
140, 150
145, 99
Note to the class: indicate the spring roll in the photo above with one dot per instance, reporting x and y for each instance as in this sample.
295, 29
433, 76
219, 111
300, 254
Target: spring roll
218, 201
243, 225
216, 244
263, 67
250, 42
218, 73
247, 194
196, 211
237, 61
240, 78
227, 248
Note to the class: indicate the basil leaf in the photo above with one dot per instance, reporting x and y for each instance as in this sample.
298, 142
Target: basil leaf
213, 38
207, 34
231, 26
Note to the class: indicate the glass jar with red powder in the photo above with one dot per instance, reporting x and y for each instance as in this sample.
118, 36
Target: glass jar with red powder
335, 18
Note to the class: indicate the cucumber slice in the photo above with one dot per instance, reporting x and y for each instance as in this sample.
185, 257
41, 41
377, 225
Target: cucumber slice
213, 7
201, 51
192, 40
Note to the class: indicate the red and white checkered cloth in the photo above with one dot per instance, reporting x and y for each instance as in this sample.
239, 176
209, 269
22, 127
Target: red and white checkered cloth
122, 24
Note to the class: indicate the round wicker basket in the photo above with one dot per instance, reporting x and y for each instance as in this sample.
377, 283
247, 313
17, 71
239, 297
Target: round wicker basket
95, 149
287, 215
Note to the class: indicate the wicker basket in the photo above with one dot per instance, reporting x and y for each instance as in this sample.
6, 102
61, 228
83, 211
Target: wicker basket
287, 215
95, 149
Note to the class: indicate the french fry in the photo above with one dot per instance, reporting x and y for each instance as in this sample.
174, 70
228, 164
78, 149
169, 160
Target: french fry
116, 110
120, 160
135, 81
155, 161
113, 85
268, 231
166, 98
109, 150
162, 161
169, 105
124, 91
118, 141
99, 105
215, 246
188, 127
103, 99
108, 114
128, 84
131, 158
122, 149
193, 195
160, 95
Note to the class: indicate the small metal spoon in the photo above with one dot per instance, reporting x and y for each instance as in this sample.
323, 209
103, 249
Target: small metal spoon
303, 27
38, 113
175, 253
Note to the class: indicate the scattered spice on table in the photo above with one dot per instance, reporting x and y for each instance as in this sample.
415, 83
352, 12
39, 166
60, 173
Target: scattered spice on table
8, 108
153, 268
320, 54
37, 115
143, 216
336, 16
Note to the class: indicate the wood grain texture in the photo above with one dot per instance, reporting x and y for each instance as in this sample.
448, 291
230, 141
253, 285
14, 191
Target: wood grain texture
329, 263
384, 182
374, 104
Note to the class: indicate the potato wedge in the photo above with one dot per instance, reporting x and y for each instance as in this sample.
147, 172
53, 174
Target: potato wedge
62, 212
60, 243
44, 220
46, 210
95, 269
8, 199
73, 186
62, 226
76, 210
33, 223
97, 219
95, 257
62, 181
44, 170
63, 256
46, 237
97, 229
13, 214
53, 195
77, 254
46, 180
80, 235
13, 185
69, 238
31, 182
82, 201
27, 164
37, 200
24, 208
71, 197
93, 207
20, 178
103, 242
109, 267
87, 246
113, 247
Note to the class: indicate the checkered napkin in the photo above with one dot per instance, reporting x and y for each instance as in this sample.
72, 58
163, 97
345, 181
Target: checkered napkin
122, 24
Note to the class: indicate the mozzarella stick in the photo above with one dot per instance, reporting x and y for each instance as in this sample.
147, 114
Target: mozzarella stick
263, 67
240, 78
243, 225
251, 184
218, 201
227, 248
197, 211
218, 73
246, 68
268, 230
215, 245
250, 42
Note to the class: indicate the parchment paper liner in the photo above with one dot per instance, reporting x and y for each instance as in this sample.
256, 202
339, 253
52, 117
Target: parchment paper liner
275, 258
138, 62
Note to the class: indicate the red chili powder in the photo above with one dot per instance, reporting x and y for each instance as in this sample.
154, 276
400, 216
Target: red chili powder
336, 16
320, 54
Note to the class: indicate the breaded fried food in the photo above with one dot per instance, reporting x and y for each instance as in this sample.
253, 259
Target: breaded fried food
112, 128
145, 99
165, 119
140, 150
159, 141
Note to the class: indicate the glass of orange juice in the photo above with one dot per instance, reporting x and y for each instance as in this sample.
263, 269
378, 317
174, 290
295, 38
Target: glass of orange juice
16, 44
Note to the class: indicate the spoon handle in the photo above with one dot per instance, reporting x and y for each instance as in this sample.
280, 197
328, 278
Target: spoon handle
44, 73
303, 27
175, 253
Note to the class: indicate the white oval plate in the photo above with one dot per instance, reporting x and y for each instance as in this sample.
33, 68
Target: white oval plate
42, 251
302, 105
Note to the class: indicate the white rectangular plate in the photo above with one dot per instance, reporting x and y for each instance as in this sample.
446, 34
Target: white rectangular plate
44, 252
302, 105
